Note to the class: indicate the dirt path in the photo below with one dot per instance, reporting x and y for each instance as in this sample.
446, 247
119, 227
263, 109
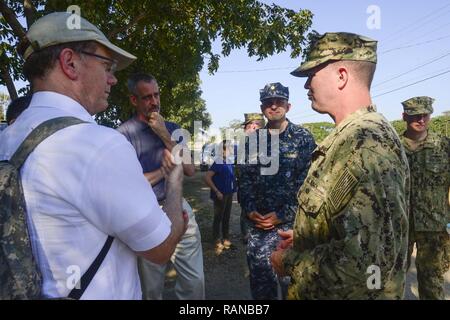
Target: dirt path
226, 276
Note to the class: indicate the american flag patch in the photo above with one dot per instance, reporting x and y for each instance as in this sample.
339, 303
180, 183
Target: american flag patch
345, 184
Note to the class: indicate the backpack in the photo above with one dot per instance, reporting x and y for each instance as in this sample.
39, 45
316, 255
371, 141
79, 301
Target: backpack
20, 277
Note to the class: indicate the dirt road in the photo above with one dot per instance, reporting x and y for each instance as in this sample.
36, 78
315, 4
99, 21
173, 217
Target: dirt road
226, 276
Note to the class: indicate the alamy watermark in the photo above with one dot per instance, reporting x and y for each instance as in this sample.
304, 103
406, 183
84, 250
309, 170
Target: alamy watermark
374, 20
74, 21
263, 148
73, 280
374, 280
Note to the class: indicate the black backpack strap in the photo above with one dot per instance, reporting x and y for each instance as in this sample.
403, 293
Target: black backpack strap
39, 134
90, 273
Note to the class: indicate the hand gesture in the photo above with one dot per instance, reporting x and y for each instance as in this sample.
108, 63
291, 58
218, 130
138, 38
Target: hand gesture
266, 222
156, 122
287, 238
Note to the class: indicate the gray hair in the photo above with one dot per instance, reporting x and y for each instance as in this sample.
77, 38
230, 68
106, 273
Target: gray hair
135, 78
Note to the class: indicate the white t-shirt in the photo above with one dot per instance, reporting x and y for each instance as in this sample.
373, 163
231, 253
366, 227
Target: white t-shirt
82, 184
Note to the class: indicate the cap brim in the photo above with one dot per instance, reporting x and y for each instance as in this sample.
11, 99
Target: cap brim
302, 71
274, 96
247, 122
124, 59
413, 113
299, 72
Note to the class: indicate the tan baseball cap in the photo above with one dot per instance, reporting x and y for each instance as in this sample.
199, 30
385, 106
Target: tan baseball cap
56, 28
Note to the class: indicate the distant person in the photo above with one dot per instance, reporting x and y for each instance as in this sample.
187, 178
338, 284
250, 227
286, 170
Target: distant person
428, 155
220, 178
16, 107
350, 236
150, 135
252, 122
270, 201
84, 184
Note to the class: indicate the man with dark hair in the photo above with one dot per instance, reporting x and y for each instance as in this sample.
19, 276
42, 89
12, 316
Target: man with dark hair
351, 229
16, 107
84, 183
269, 200
150, 135
428, 155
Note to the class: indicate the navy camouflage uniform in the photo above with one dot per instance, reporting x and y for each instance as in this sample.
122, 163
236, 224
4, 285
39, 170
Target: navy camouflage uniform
267, 193
429, 161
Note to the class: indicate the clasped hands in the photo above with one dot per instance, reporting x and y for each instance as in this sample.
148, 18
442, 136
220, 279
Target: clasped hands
264, 222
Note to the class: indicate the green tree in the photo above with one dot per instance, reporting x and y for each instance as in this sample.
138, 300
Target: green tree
236, 124
439, 124
399, 126
172, 40
319, 130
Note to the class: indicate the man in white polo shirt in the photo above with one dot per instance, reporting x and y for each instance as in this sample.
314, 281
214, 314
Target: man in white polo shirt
84, 183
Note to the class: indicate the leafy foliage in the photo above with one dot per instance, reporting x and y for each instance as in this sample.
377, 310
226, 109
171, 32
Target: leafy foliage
319, 130
439, 124
172, 39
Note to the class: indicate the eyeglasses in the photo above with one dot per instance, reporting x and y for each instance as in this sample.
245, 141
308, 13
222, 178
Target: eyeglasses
111, 64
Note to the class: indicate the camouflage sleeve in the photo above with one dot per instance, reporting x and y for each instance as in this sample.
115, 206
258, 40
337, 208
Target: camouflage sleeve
306, 148
362, 222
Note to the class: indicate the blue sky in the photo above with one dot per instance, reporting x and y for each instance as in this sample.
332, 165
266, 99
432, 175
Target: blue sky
234, 89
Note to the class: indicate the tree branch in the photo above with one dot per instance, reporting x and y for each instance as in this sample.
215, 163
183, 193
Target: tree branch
30, 12
11, 19
4, 73
115, 32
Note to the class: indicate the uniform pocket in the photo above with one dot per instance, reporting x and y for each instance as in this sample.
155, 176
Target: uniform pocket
310, 200
435, 162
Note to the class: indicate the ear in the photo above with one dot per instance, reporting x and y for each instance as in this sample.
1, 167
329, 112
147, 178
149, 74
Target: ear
342, 74
288, 107
133, 99
70, 63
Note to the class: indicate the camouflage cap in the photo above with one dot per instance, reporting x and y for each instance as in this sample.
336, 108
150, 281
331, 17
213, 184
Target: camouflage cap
53, 29
274, 90
249, 117
418, 105
335, 46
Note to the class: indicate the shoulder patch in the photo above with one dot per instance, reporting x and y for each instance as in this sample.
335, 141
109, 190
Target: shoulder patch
343, 187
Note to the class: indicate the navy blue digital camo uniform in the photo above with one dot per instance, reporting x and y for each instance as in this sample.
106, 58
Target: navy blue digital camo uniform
277, 192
